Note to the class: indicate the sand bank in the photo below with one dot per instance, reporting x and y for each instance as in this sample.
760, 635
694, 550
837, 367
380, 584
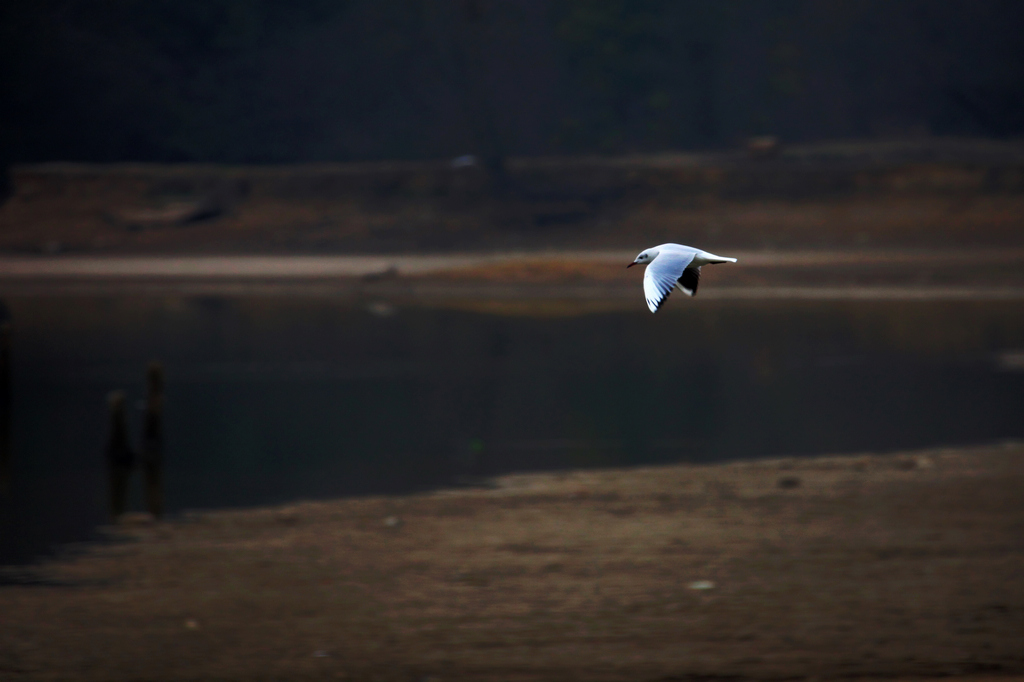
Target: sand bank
900, 565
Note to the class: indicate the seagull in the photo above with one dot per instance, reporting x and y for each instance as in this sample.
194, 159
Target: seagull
673, 265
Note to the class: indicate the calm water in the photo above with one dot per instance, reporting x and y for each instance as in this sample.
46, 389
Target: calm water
277, 399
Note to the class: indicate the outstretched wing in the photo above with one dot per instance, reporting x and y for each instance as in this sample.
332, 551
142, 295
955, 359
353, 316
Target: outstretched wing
661, 276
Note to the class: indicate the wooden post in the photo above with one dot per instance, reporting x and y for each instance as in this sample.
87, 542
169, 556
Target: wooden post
5, 406
120, 457
153, 440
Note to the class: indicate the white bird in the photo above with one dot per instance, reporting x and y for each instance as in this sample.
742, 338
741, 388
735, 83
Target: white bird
673, 265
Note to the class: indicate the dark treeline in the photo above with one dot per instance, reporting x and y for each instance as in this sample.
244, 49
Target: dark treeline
311, 80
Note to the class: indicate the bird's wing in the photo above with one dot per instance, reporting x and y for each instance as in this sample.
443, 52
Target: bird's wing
661, 276
689, 281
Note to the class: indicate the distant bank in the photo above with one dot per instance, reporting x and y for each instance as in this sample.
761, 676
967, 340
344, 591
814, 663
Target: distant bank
868, 274
938, 193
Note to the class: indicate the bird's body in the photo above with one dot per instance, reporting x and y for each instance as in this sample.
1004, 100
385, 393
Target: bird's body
670, 266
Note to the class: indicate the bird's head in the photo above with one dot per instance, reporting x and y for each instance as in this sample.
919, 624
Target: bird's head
644, 257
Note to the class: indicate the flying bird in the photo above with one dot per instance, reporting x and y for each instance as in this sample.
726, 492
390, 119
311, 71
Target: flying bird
673, 265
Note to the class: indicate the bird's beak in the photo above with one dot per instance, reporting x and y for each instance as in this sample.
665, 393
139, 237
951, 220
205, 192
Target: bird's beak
631, 264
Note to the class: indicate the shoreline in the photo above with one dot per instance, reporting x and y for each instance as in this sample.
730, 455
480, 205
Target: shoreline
851, 274
618, 297
855, 567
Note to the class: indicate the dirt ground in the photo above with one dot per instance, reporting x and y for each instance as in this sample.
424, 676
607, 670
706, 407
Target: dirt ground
937, 194
905, 565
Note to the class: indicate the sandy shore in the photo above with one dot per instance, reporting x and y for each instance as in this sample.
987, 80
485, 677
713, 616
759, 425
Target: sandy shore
595, 263
587, 275
906, 565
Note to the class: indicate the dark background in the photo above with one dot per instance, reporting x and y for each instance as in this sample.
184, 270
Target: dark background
243, 81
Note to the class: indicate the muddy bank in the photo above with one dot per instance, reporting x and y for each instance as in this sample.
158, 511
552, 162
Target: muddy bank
865, 566
573, 275
940, 193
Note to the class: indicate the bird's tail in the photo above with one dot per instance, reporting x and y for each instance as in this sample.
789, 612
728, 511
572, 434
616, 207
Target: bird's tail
714, 260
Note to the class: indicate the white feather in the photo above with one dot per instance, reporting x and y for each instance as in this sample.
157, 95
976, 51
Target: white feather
666, 265
662, 274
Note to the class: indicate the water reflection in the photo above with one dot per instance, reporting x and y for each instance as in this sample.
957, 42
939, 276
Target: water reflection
272, 399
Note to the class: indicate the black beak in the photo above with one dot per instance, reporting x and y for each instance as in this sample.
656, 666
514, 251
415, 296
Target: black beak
631, 264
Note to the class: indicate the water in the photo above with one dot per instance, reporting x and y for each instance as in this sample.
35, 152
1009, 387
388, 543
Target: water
280, 398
